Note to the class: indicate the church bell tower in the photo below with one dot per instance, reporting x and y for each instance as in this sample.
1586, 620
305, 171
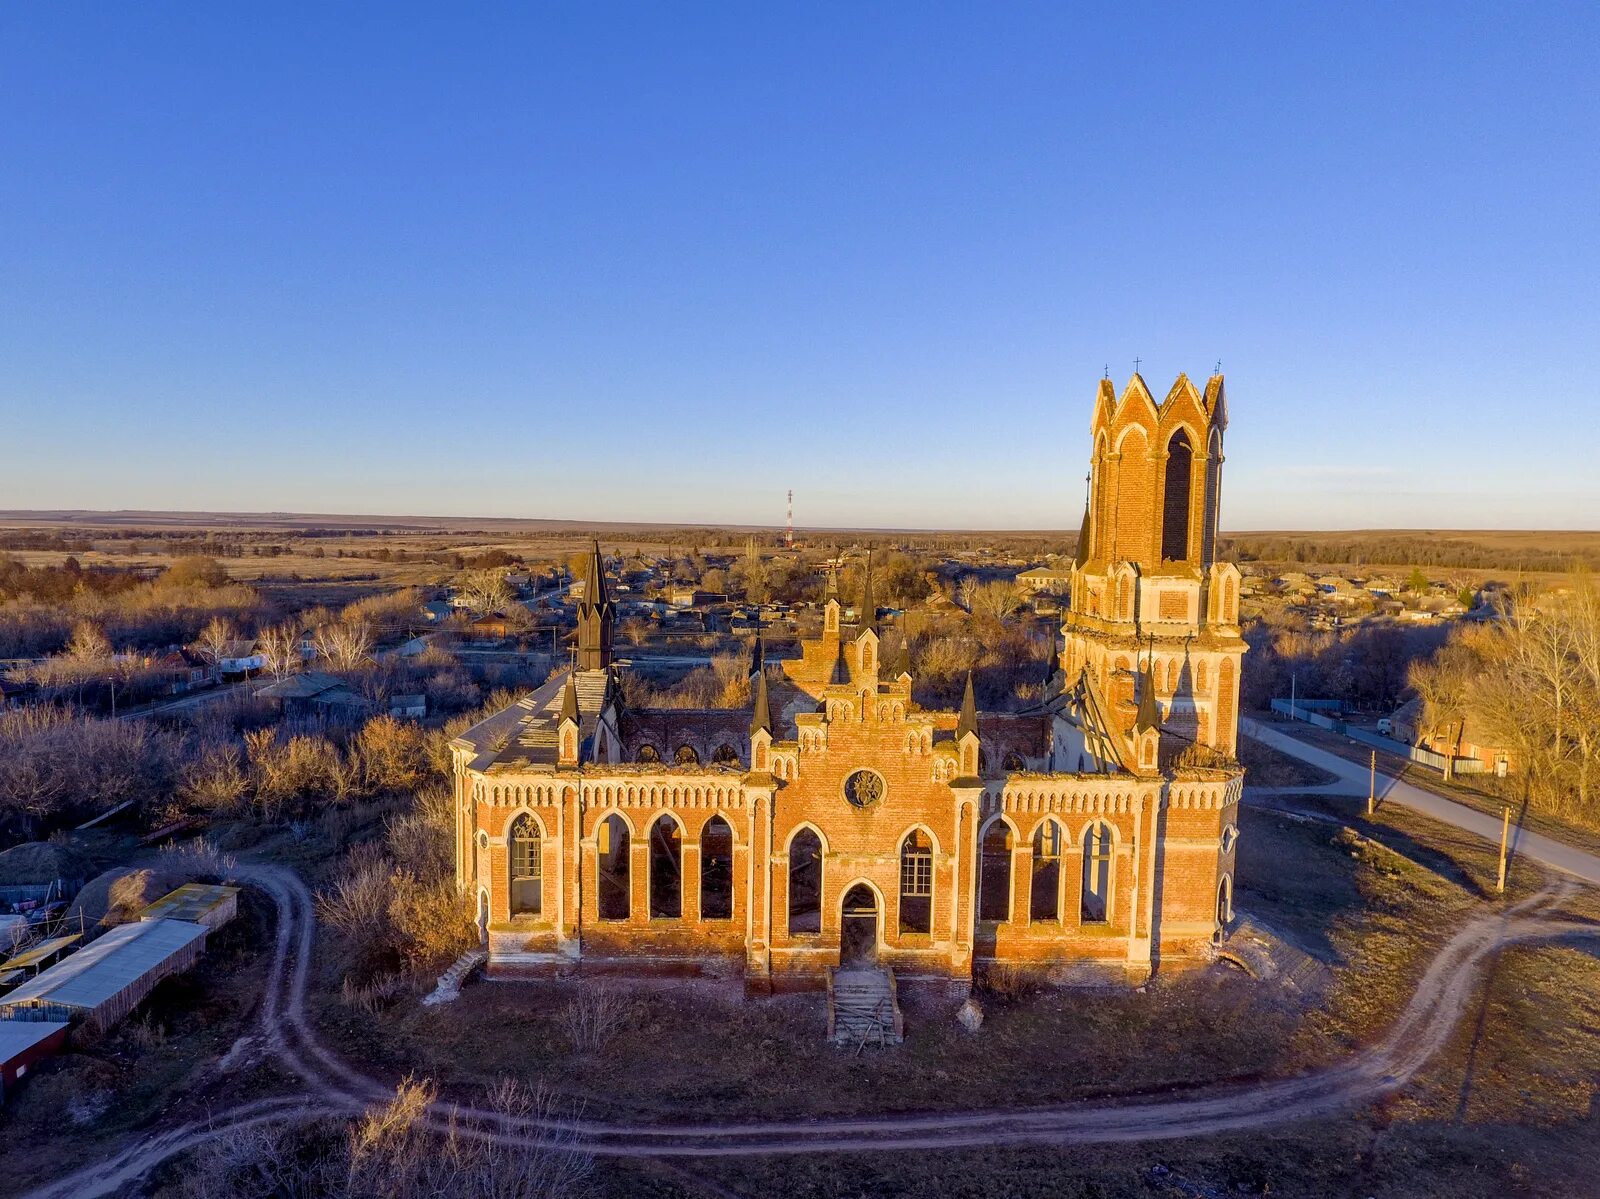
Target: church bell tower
1154, 617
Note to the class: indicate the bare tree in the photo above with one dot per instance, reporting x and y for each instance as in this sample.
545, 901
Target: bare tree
484, 591
279, 647
344, 645
214, 639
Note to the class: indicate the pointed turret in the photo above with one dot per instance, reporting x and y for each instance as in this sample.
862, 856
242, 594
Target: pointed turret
761, 714
968, 723
596, 616
569, 736
569, 701
1081, 554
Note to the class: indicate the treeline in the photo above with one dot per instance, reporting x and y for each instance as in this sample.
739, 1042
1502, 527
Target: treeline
1401, 551
1528, 684
41, 606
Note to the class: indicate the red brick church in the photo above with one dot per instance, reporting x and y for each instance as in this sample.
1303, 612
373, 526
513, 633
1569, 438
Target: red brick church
836, 821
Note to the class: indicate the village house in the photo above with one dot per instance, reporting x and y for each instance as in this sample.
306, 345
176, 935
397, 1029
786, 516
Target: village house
837, 822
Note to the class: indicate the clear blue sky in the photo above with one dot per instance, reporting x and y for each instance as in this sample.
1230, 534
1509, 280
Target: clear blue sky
663, 261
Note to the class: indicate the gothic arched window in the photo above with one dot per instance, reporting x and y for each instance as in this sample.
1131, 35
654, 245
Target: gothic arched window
648, 753
686, 756
716, 870
666, 869
1096, 903
726, 755
994, 873
805, 882
613, 851
916, 883
1175, 498
1044, 903
527, 867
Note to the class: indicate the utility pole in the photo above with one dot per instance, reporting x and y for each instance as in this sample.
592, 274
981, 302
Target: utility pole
1505, 841
1372, 784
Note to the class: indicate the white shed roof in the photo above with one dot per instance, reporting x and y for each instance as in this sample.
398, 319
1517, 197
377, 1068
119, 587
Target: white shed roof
123, 956
19, 1036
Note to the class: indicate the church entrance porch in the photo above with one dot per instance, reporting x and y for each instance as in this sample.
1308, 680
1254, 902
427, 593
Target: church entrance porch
858, 928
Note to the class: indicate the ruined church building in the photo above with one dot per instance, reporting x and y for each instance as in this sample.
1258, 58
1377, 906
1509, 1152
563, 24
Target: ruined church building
834, 821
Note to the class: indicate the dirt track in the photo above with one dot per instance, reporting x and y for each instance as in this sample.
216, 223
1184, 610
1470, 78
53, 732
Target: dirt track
333, 1087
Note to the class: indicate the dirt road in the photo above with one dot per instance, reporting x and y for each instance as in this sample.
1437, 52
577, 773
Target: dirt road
333, 1087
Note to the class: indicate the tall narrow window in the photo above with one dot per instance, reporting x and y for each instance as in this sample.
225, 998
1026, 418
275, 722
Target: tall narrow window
994, 873
1096, 907
716, 870
1175, 498
666, 869
916, 883
527, 867
805, 883
1044, 902
612, 846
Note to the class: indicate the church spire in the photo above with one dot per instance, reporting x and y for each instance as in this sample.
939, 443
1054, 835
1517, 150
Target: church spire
596, 616
869, 603
761, 715
969, 711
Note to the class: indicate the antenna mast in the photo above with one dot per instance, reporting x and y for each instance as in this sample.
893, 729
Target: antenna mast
788, 535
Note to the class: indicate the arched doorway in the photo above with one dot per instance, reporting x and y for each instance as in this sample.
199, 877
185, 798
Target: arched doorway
858, 928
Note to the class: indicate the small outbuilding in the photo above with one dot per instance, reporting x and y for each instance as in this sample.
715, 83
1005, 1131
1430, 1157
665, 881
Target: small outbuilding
196, 903
101, 984
23, 1043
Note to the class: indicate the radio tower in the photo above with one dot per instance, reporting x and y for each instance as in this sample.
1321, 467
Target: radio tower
788, 533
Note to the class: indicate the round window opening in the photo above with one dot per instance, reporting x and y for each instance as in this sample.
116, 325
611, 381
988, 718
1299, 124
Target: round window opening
864, 788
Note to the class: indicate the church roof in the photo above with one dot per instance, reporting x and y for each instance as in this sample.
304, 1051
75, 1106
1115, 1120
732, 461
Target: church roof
525, 733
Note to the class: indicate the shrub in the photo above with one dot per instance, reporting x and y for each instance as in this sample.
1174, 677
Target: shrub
595, 1015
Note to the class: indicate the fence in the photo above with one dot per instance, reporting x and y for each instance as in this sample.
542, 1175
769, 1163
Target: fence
1316, 712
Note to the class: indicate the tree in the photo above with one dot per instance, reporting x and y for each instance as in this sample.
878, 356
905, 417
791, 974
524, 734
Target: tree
279, 647
196, 571
89, 646
344, 645
484, 591
214, 639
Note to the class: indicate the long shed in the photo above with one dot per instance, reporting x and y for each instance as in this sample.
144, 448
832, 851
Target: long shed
101, 984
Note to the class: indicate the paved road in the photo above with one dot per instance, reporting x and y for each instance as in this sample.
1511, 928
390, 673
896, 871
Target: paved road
332, 1087
1353, 780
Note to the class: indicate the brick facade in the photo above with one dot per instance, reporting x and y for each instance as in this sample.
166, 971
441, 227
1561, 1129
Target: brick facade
1084, 839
